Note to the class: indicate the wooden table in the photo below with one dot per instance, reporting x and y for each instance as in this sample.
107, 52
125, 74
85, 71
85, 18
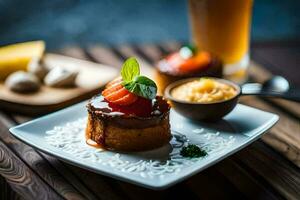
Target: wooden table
267, 169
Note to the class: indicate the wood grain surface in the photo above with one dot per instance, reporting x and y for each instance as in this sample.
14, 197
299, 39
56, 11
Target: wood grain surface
256, 172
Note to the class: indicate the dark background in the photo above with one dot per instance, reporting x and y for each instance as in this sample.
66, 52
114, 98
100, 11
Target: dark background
128, 21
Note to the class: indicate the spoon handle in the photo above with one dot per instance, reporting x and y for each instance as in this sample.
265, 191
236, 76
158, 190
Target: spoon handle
292, 94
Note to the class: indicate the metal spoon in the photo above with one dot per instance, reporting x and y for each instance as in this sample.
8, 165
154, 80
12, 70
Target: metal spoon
275, 87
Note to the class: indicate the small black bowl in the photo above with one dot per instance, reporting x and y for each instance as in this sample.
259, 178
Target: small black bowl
202, 111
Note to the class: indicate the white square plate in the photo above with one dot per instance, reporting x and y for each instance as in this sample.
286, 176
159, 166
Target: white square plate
61, 134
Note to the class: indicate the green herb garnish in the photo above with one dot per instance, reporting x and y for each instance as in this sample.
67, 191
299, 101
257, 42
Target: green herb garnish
192, 151
142, 86
130, 69
136, 83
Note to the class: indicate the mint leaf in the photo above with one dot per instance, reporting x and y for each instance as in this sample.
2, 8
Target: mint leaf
134, 83
130, 69
142, 86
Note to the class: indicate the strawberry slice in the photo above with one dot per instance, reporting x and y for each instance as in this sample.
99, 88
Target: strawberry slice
116, 93
143, 109
114, 82
127, 99
112, 89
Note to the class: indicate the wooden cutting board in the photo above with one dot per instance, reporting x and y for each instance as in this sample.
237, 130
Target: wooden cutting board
92, 77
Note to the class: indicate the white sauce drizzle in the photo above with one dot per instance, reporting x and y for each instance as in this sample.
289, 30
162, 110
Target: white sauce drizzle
70, 138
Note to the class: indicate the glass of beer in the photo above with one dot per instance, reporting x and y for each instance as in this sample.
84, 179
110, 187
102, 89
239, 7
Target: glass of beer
222, 27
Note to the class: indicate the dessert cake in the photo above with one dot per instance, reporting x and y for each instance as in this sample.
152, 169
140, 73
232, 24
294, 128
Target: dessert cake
128, 115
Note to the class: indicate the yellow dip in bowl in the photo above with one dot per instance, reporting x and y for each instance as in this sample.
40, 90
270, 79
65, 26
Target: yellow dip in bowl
204, 90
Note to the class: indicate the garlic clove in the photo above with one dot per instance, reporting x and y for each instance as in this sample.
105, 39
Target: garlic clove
60, 77
22, 82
